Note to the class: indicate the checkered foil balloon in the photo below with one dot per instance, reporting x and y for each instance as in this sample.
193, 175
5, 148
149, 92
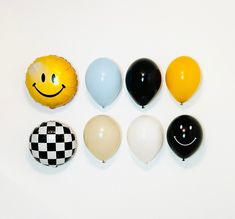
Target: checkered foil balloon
52, 143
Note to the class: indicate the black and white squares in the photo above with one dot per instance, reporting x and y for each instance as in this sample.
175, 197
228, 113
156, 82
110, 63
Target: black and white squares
52, 143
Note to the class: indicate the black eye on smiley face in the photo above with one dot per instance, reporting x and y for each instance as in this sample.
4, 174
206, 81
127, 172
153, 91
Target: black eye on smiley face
54, 81
53, 78
43, 77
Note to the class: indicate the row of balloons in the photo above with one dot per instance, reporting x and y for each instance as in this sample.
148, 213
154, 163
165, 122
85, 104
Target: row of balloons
53, 143
52, 80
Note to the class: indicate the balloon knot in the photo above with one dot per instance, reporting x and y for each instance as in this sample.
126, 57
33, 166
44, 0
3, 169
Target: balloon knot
142, 107
103, 161
183, 159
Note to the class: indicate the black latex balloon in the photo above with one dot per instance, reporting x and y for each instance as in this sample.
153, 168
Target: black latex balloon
184, 135
143, 80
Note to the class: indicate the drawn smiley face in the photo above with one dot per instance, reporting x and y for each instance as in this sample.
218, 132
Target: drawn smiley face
184, 135
51, 81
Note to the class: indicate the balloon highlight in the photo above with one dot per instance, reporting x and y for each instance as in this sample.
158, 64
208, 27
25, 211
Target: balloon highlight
143, 80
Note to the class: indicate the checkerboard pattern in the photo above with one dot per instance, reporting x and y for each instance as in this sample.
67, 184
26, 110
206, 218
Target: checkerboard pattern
52, 143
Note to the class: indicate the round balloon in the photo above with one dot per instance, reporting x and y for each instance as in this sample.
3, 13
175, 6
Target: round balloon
143, 80
184, 135
103, 81
52, 143
145, 137
102, 137
183, 77
52, 81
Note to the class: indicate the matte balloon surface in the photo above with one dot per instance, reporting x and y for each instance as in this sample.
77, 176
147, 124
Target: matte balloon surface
143, 80
145, 137
183, 77
184, 135
103, 81
102, 137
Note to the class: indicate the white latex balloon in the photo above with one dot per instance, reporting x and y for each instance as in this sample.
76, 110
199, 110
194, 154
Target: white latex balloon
145, 137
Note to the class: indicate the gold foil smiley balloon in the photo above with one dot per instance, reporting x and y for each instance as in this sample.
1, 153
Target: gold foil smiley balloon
51, 81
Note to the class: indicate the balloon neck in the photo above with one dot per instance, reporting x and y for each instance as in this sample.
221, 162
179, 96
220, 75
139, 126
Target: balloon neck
181, 103
183, 159
103, 161
142, 107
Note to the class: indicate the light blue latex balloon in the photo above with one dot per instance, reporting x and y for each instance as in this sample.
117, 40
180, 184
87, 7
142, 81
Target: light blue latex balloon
103, 81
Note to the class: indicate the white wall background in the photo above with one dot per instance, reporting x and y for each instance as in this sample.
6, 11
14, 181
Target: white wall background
124, 30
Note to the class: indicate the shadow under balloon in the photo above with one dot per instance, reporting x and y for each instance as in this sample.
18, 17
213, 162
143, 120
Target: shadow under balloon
156, 98
192, 161
105, 108
46, 109
46, 169
98, 163
151, 164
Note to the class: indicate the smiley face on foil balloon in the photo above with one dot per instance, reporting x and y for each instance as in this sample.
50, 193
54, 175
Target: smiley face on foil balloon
52, 81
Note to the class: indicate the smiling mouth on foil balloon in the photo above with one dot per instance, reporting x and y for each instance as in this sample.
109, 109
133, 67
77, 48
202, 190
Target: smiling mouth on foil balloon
52, 81
48, 95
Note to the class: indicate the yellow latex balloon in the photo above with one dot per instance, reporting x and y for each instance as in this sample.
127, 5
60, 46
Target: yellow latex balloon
102, 137
52, 81
183, 77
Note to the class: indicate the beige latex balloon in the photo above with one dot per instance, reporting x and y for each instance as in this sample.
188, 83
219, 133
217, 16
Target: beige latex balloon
102, 137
